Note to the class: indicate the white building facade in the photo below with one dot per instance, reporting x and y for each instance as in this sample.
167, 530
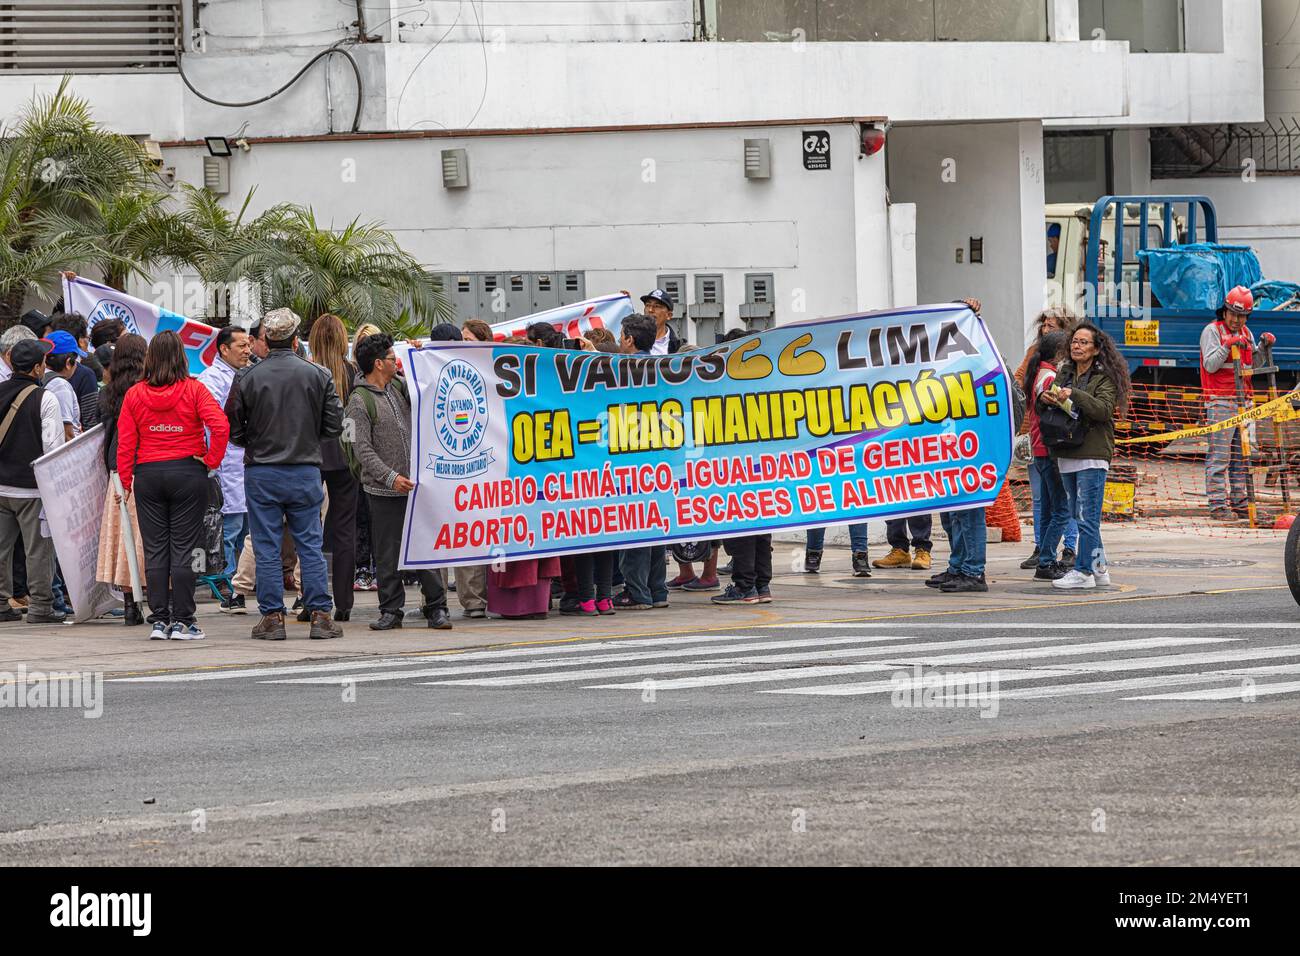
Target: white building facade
724, 146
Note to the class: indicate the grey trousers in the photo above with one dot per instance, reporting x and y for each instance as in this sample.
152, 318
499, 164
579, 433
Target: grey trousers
25, 514
471, 587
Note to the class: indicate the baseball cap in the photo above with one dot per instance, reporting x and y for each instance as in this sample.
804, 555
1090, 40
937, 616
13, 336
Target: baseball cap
28, 353
280, 324
63, 344
446, 332
659, 295
36, 320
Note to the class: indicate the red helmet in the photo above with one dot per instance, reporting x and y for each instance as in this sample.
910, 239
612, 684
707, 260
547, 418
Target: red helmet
1239, 300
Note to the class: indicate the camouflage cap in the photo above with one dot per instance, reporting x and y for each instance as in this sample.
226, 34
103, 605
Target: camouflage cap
280, 324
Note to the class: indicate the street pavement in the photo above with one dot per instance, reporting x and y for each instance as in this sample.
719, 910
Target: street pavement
1151, 724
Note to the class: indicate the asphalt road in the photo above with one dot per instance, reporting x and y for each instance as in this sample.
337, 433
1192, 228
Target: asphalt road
1138, 731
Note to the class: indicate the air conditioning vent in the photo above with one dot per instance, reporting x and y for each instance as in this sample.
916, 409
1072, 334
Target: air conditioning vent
92, 36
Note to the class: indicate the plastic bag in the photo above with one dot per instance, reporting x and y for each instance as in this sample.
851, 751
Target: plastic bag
213, 540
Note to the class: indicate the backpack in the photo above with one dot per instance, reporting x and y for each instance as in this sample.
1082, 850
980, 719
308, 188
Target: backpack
372, 411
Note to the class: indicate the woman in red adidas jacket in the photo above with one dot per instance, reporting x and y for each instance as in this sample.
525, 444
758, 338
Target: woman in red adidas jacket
164, 455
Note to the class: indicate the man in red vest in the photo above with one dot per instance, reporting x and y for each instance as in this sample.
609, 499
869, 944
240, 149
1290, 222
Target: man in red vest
1225, 469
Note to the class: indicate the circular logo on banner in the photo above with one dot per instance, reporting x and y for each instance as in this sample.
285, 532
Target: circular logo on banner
110, 309
460, 409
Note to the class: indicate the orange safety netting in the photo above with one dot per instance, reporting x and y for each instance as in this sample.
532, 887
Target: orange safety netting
1158, 475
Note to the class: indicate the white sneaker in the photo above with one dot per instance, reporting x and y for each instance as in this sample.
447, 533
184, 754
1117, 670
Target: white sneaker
160, 632
180, 632
1101, 578
1074, 580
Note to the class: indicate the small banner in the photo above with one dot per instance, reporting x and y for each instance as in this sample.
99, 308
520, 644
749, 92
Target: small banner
522, 452
74, 484
606, 311
99, 302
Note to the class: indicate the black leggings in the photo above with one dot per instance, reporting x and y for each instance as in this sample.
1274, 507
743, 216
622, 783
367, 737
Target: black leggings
341, 533
595, 573
170, 498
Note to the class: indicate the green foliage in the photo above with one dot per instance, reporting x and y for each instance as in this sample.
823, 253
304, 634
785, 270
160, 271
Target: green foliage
74, 195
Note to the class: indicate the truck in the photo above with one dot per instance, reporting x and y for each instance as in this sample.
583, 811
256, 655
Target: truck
1094, 266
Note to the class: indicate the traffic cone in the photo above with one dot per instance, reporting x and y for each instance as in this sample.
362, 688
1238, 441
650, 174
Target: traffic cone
1002, 514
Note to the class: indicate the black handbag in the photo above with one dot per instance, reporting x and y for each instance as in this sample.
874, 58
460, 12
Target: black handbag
1060, 430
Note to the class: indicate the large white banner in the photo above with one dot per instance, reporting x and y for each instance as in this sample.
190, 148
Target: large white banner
98, 302
73, 483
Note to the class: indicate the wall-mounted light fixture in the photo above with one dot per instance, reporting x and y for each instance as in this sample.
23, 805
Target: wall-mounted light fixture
873, 140
455, 168
758, 159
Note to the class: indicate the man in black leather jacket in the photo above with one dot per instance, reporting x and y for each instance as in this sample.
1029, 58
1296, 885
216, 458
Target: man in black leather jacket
281, 409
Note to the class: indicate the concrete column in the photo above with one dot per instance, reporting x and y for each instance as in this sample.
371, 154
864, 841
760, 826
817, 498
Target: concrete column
871, 230
1063, 20
978, 181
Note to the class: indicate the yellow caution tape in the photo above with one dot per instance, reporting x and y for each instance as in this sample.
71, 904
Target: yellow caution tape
1266, 410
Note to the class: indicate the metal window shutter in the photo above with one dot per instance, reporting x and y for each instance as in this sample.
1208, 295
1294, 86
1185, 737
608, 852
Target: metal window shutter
92, 36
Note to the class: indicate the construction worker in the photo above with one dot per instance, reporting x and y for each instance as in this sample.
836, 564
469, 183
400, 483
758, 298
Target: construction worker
1225, 467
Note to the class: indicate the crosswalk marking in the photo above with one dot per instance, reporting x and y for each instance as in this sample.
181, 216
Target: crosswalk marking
1097, 667
448, 666
1183, 661
415, 661
894, 657
1052, 690
1227, 693
1043, 626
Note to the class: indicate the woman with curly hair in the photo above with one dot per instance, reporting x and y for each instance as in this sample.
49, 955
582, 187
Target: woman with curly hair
1092, 385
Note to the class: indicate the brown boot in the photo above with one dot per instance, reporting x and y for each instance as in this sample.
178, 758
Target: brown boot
322, 628
270, 628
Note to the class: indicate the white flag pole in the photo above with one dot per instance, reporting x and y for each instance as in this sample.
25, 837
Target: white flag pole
128, 537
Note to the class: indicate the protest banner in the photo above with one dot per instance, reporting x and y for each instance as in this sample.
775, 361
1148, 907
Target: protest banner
606, 311
522, 452
99, 302
73, 484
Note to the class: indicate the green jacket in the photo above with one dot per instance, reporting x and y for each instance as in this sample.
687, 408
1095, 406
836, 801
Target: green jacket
1094, 399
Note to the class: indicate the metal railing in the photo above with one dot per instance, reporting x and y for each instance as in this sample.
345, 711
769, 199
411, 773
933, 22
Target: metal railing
1272, 147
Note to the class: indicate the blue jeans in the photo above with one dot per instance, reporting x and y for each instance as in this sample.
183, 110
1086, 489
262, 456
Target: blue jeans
968, 539
1040, 514
1085, 490
644, 574
233, 529
1225, 468
857, 538
1051, 500
277, 494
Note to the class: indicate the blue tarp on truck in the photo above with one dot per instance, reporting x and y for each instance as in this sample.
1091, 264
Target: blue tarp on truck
1199, 275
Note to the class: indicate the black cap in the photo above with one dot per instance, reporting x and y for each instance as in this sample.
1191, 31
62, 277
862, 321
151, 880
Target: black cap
445, 332
28, 354
36, 320
659, 295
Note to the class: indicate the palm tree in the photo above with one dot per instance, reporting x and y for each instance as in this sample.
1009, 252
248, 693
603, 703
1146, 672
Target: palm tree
119, 235
56, 161
358, 272
207, 238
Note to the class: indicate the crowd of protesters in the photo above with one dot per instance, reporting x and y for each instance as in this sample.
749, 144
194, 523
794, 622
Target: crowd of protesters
302, 463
